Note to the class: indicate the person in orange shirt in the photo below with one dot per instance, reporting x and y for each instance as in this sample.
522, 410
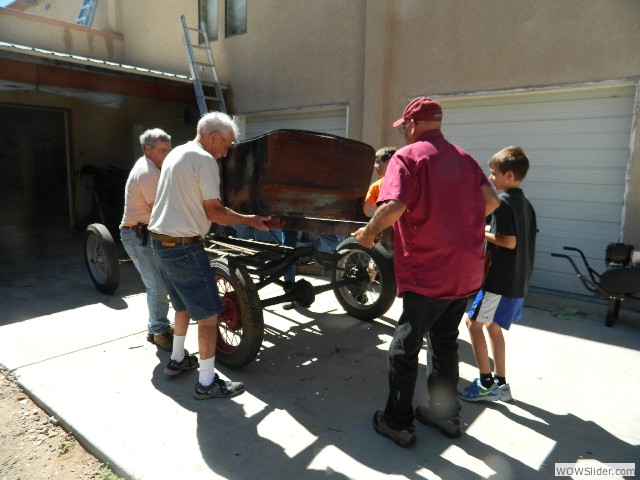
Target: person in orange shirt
382, 160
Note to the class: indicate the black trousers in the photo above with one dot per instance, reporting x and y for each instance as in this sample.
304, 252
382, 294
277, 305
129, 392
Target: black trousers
422, 316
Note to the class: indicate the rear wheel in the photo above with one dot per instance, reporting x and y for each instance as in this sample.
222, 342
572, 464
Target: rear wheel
101, 258
241, 326
373, 290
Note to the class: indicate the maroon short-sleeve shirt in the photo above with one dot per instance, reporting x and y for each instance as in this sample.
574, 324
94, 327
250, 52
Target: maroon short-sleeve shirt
438, 242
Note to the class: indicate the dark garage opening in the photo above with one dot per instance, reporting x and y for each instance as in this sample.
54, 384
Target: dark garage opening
34, 179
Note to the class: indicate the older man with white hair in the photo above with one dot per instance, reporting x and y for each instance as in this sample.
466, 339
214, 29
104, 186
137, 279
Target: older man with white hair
188, 200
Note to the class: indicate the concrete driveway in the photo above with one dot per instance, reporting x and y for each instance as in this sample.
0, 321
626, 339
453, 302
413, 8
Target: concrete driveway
312, 391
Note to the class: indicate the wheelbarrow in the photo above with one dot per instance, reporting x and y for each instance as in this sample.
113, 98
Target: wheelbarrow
620, 282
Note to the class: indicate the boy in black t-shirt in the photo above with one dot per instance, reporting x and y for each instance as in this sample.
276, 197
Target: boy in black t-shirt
510, 249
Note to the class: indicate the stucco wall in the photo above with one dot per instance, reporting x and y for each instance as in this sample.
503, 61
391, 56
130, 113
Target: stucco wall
297, 54
59, 36
153, 33
469, 46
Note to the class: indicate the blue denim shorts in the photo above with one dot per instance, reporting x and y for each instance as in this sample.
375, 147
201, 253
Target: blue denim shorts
189, 279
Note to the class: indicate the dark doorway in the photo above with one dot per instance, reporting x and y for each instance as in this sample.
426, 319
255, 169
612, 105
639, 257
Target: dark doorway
34, 175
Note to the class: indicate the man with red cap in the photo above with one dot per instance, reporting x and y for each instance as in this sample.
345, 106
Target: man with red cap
436, 197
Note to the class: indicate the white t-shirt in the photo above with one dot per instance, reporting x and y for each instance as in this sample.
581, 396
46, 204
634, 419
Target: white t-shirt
140, 191
189, 176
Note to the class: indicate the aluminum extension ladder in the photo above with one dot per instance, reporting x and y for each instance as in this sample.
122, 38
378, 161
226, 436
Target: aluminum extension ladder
87, 13
203, 70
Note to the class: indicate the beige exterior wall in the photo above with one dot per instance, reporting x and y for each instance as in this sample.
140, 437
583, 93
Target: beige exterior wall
60, 36
310, 53
153, 33
468, 46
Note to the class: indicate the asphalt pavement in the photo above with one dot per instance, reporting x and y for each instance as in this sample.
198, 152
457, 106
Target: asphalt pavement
312, 391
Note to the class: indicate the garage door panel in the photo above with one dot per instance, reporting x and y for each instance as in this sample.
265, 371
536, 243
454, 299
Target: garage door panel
608, 107
554, 230
590, 211
545, 190
594, 251
554, 280
328, 120
577, 158
587, 177
593, 248
582, 127
547, 264
578, 145
588, 143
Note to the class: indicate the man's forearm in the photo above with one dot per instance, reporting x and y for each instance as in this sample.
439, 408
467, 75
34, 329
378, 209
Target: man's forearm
218, 213
386, 215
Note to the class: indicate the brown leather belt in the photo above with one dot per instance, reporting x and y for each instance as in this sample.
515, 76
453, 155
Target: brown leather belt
169, 241
130, 227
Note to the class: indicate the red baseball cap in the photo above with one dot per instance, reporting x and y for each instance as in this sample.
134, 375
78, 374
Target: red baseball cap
421, 108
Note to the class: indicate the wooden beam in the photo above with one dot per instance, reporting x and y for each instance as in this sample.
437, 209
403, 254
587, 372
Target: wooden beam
96, 81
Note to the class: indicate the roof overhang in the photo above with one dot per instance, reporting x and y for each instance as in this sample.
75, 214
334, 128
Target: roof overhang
38, 67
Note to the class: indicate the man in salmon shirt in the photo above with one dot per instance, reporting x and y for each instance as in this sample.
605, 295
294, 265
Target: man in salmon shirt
140, 193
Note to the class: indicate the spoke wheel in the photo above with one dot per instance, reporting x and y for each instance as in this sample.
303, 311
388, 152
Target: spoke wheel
241, 327
101, 258
373, 289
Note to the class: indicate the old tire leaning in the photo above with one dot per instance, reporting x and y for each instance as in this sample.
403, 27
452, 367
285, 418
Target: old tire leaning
241, 327
101, 258
374, 288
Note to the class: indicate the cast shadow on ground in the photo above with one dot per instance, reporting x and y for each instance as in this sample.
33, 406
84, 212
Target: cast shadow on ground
39, 278
588, 326
309, 401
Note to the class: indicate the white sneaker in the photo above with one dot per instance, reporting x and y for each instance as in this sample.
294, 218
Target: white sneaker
505, 392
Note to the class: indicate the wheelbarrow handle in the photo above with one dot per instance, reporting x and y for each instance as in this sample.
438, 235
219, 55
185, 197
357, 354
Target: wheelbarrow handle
592, 285
574, 249
595, 276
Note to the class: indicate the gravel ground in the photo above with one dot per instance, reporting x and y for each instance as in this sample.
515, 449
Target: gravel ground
32, 444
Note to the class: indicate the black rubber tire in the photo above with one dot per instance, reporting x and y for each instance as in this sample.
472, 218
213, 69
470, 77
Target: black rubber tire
373, 295
241, 327
101, 258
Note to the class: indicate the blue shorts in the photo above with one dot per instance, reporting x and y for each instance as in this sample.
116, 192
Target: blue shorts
189, 279
488, 307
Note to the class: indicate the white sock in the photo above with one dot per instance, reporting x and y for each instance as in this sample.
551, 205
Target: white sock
207, 371
177, 353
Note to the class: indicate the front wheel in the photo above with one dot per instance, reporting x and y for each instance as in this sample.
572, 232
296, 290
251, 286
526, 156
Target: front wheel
373, 290
241, 326
101, 258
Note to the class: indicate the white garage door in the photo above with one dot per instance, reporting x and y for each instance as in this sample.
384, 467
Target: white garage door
325, 120
578, 144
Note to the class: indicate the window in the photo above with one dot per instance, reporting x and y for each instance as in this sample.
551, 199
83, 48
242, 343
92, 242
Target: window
235, 17
208, 14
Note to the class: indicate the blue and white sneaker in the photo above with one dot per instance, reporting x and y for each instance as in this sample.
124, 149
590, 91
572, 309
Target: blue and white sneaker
477, 393
505, 392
